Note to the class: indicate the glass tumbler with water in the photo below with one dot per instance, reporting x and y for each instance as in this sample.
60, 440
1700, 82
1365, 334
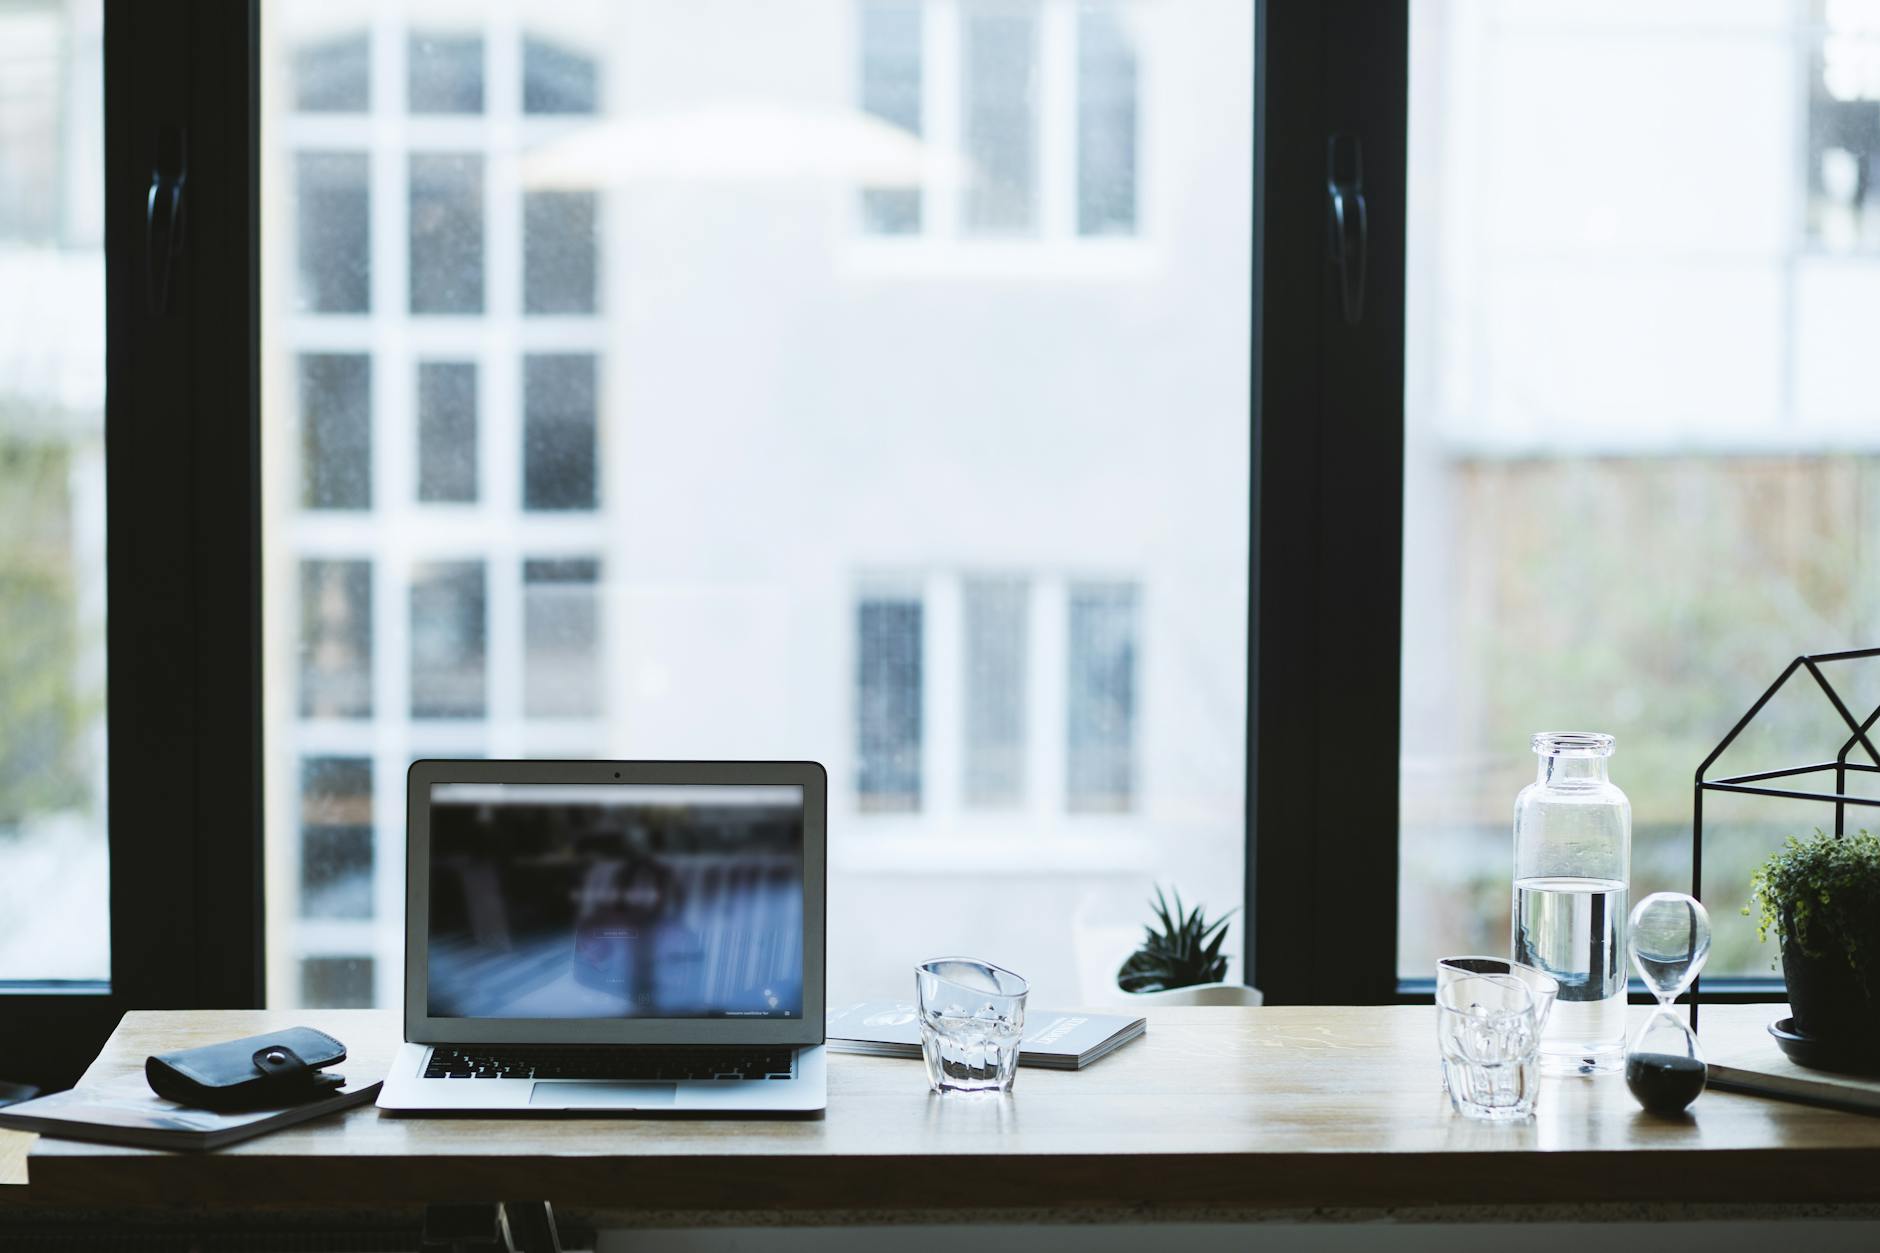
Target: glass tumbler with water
972, 1016
1572, 867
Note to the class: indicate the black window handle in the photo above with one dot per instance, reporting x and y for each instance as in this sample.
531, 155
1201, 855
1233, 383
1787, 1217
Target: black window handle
1350, 225
164, 208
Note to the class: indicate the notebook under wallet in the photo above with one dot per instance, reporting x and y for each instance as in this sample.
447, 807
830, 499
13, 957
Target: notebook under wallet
613, 936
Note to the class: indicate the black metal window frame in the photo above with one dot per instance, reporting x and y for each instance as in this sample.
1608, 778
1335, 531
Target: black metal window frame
182, 536
1325, 625
183, 532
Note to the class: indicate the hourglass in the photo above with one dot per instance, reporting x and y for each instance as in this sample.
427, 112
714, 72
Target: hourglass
1669, 938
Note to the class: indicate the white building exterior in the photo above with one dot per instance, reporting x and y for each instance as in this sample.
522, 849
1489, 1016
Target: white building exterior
802, 425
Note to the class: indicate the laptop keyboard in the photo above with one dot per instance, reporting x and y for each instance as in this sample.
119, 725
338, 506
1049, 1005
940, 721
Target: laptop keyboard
586, 1061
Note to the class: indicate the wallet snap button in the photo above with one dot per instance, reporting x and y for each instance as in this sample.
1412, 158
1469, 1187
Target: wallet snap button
275, 1057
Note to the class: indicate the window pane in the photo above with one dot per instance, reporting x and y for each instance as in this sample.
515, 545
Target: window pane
335, 639
446, 233
558, 436
555, 80
701, 466
999, 55
891, 72
1106, 123
1637, 443
54, 890
559, 257
1102, 717
336, 431
448, 640
341, 982
334, 209
333, 75
447, 431
887, 702
336, 837
446, 74
561, 638
996, 626
1844, 126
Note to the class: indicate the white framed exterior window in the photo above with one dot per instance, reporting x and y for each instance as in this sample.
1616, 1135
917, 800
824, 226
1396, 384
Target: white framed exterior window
1020, 122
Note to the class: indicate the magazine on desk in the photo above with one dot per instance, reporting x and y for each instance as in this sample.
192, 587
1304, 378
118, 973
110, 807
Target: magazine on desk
1053, 1039
126, 1111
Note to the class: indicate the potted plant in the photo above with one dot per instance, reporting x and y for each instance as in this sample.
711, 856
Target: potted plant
1821, 898
1180, 961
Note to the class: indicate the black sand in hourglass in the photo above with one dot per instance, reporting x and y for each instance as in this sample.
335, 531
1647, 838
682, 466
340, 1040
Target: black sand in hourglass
1664, 1083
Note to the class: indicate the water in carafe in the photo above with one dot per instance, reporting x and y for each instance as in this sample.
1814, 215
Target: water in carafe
1572, 867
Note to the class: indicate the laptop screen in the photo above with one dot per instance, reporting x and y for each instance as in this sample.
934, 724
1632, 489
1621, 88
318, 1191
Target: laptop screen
642, 901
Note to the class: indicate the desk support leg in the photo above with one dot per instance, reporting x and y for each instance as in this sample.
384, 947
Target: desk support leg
499, 1227
532, 1226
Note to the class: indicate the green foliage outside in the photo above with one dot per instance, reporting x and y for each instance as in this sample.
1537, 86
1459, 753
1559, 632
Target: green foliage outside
43, 717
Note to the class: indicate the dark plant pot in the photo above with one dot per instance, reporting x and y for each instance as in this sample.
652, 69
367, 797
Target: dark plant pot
1825, 997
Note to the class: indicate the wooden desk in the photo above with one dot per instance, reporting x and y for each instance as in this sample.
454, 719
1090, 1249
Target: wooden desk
1225, 1109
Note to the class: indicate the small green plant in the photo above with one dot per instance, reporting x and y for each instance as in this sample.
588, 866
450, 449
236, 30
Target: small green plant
1185, 951
1822, 894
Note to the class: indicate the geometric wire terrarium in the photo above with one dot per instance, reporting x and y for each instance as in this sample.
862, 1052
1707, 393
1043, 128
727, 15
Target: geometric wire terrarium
1758, 783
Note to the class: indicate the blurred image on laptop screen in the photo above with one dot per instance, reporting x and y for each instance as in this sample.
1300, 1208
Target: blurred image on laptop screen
621, 901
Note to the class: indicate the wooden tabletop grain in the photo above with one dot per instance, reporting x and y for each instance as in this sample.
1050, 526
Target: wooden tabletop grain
1240, 1108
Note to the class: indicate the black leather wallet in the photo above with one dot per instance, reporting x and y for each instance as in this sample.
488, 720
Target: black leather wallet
279, 1068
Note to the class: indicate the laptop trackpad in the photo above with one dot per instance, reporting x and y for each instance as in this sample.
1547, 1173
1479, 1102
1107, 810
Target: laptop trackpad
594, 1094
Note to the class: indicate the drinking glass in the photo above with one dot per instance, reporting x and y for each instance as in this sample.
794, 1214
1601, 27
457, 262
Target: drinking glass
1543, 987
1489, 1035
972, 1016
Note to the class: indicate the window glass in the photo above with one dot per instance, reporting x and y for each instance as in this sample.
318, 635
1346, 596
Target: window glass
336, 430
334, 197
560, 262
448, 640
558, 431
887, 703
561, 629
446, 74
1844, 125
557, 80
891, 86
54, 888
1106, 123
665, 440
335, 639
447, 431
1102, 715
996, 690
999, 59
446, 232
333, 75
1637, 442
341, 982
336, 837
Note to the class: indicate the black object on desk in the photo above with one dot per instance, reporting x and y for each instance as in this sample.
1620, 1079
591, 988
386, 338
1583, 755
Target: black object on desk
275, 1069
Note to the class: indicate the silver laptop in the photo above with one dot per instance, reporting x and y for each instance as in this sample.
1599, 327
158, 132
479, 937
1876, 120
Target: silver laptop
613, 935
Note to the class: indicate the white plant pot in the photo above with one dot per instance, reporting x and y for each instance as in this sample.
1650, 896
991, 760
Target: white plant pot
1198, 994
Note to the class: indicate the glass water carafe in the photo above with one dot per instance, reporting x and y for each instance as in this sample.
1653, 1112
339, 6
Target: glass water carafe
1572, 864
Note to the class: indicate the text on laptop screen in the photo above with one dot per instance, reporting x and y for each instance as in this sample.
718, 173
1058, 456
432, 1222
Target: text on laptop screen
616, 901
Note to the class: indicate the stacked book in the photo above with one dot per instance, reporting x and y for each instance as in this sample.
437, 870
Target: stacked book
125, 1111
1760, 1069
1053, 1039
